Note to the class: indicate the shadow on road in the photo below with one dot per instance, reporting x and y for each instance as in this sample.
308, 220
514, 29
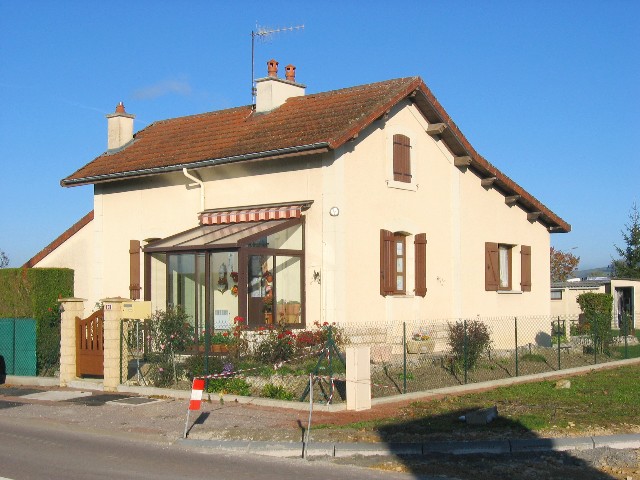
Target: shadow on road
435, 434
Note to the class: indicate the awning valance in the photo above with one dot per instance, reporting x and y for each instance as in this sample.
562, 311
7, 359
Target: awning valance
255, 213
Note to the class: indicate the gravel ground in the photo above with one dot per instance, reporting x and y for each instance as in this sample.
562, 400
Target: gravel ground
164, 421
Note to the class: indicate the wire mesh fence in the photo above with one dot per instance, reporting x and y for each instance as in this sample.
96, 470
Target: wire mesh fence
405, 356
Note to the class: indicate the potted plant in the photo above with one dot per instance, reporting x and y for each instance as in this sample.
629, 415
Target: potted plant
420, 343
220, 342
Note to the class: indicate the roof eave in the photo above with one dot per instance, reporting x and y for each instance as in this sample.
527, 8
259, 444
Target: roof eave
320, 147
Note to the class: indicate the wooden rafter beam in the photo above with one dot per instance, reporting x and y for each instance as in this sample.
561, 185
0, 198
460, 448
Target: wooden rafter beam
533, 216
511, 200
462, 161
436, 129
488, 182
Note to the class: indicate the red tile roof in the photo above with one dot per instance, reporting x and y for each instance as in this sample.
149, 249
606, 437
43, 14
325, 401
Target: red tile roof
308, 123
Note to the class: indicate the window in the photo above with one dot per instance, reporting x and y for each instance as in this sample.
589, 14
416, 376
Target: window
556, 294
497, 266
504, 252
393, 263
401, 158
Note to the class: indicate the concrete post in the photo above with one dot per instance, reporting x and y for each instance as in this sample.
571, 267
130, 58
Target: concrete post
359, 377
71, 308
112, 317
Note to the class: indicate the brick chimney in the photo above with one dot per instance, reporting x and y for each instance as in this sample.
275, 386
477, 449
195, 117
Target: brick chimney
271, 91
119, 128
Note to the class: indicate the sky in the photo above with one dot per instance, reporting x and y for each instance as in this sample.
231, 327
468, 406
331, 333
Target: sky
547, 91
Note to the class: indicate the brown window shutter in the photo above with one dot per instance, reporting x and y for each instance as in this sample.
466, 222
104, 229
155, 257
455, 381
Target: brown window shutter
492, 267
525, 268
134, 269
420, 244
387, 279
401, 158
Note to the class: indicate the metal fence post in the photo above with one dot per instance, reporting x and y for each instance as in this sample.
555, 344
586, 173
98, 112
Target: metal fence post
516, 334
465, 351
404, 357
625, 324
121, 342
558, 340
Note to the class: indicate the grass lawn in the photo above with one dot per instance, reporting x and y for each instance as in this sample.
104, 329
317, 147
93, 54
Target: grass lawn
608, 398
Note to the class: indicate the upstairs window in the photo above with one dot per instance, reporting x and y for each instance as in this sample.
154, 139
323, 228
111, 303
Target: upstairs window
401, 158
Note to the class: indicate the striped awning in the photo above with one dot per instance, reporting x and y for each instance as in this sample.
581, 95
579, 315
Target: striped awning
253, 214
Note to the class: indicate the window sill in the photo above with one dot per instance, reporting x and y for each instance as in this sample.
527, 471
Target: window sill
400, 295
412, 187
509, 292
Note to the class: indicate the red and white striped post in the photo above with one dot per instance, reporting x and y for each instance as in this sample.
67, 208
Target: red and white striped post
195, 401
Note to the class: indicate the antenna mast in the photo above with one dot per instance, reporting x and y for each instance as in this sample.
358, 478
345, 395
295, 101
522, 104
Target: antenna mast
264, 33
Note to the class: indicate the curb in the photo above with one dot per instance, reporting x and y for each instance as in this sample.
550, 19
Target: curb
490, 447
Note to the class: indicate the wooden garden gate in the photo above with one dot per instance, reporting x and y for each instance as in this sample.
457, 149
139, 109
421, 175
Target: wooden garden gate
89, 345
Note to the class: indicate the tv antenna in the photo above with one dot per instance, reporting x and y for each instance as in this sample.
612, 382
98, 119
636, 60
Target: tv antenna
264, 33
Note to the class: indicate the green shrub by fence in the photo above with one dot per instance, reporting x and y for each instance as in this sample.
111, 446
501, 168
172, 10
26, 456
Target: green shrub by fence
34, 293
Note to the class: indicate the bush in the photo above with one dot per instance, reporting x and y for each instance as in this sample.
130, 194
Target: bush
276, 391
170, 334
162, 372
233, 386
597, 308
194, 366
472, 336
277, 345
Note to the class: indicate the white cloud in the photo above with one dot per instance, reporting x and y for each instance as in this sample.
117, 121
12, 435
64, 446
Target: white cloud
165, 87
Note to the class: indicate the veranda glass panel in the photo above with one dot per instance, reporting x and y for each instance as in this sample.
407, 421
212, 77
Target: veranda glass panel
260, 290
158, 281
287, 239
182, 284
288, 289
223, 282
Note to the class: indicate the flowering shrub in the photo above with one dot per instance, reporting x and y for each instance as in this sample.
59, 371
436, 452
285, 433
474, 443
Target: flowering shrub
169, 335
278, 344
238, 343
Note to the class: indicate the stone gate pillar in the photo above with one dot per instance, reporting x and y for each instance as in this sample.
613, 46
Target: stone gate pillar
70, 309
112, 319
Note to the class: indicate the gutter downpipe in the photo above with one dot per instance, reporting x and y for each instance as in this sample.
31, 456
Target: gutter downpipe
200, 183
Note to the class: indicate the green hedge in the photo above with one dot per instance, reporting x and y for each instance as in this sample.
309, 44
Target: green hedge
34, 293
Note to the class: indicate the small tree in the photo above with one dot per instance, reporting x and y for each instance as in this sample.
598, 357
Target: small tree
468, 340
562, 264
596, 308
629, 263
4, 260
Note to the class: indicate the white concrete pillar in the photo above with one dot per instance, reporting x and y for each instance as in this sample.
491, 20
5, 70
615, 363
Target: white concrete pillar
359, 377
112, 318
71, 308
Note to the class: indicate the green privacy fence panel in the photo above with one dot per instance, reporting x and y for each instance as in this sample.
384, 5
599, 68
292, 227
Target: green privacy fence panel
18, 345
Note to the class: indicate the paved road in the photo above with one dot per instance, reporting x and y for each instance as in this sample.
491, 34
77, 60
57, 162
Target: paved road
37, 450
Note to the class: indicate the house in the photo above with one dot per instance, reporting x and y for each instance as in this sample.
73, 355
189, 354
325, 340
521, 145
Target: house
625, 292
364, 205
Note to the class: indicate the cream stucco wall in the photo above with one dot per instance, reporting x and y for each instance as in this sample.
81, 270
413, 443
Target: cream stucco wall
73, 254
458, 216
